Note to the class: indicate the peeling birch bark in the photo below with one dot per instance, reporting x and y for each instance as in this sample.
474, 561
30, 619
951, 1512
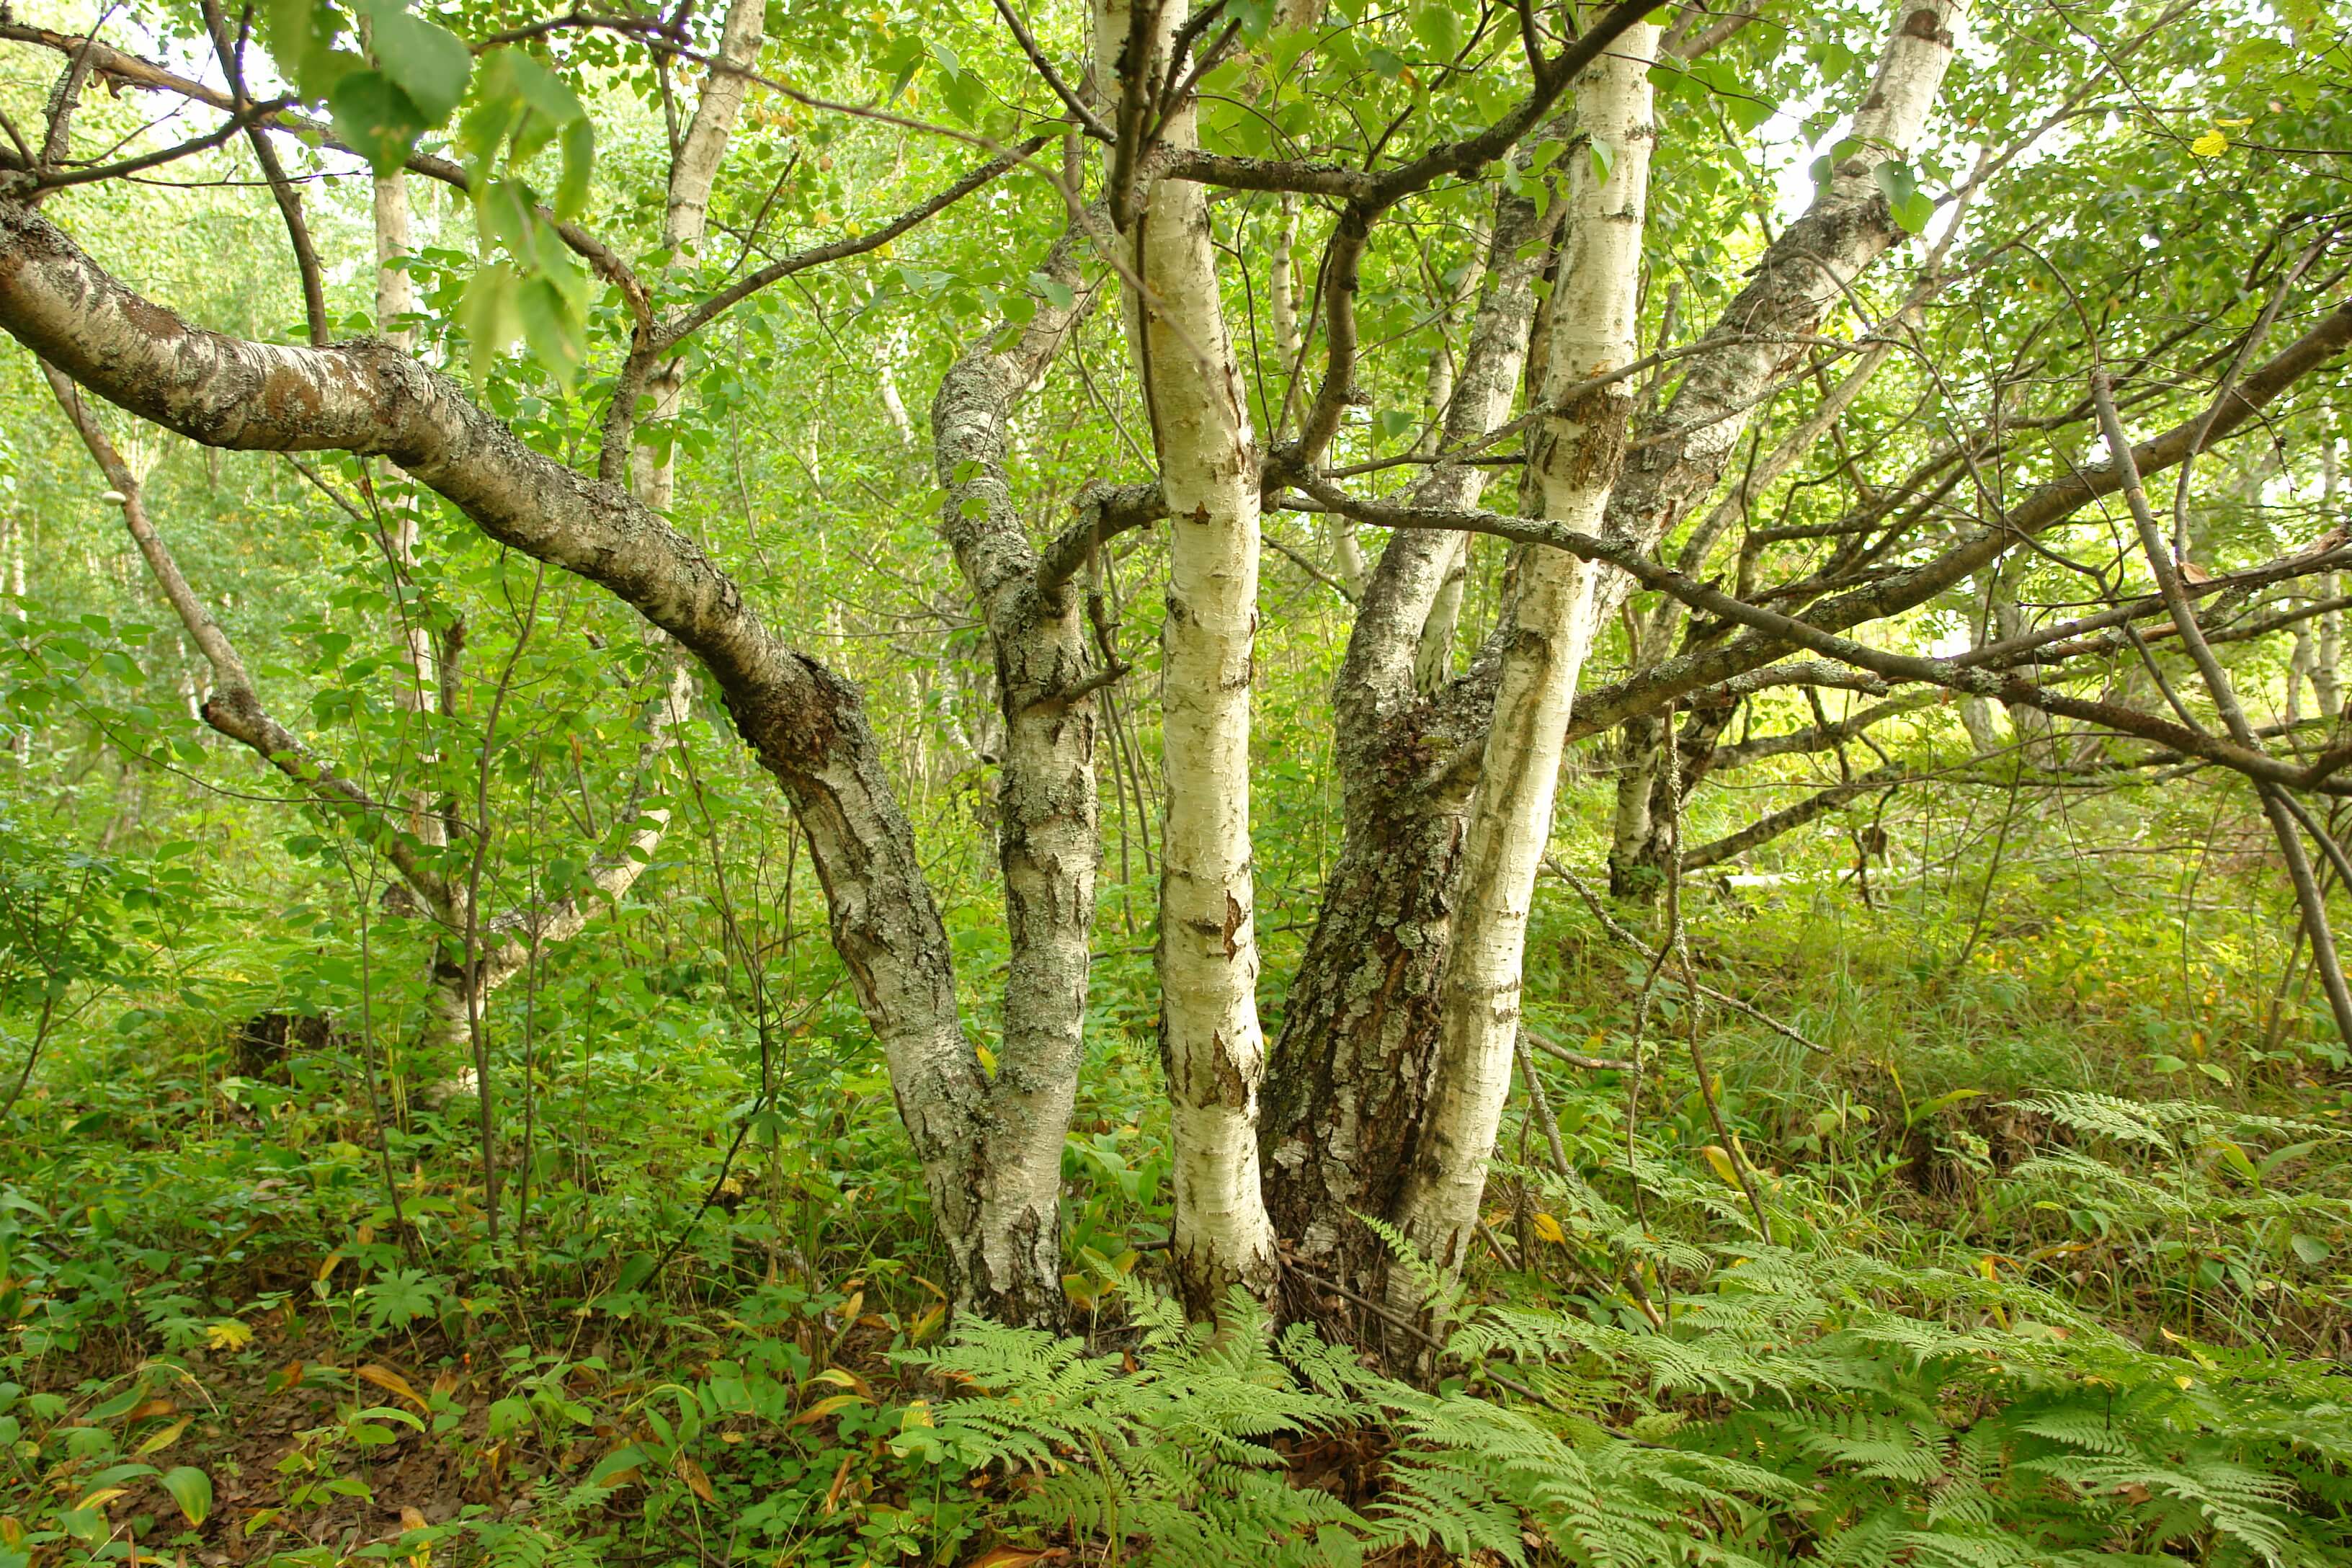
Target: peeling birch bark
1807, 269
1577, 457
803, 723
1351, 1069
1212, 1049
1048, 829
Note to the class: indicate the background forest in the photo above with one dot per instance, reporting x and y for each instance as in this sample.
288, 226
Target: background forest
438, 1122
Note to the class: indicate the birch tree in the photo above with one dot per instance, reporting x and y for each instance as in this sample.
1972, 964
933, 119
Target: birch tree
1492, 264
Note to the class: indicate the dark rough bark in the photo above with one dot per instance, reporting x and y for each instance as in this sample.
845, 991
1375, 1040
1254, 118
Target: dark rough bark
1351, 1070
1359, 1042
1352, 1067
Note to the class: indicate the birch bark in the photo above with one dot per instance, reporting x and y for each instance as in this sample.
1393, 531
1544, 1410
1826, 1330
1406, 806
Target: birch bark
803, 723
1577, 457
1212, 1049
1048, 831
1351, 1069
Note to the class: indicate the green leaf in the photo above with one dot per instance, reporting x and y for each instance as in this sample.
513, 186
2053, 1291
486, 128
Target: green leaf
1910, 206
191, 1490
1605, 158
300, 37
1054, 292
1747, 110
427, 62
579, 143
489, 316
2310, 1248
376, 120
543, 91
1439, 28
628, 1456
552, 327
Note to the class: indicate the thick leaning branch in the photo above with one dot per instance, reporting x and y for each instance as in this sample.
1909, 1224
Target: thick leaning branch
803, 721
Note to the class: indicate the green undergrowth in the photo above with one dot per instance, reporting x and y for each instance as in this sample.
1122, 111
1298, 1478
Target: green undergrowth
2054, 1273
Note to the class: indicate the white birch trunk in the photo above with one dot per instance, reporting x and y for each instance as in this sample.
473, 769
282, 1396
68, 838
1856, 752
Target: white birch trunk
1594, 312
1210, 1044
685, 219
1807, 271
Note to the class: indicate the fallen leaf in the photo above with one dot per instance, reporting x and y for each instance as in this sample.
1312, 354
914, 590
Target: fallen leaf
166, 1437
826, 1406
383, 1377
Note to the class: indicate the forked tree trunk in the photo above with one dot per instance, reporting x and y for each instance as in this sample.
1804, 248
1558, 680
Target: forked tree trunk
1358, 1036
1577, 456
1358, 1031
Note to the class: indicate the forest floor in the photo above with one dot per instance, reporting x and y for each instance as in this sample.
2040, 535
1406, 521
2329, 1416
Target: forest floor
2060, 1216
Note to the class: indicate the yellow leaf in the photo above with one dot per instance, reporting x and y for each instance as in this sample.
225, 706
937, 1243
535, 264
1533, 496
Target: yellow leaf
228, 1334
12, 1530
167, 1437
104, 1495
918, 1414
1720, 1164
2213, 144
987, 1059
383, 1377
696, 1482
410, 1519
1549, 1228
327, 1264
831, 1404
